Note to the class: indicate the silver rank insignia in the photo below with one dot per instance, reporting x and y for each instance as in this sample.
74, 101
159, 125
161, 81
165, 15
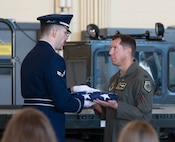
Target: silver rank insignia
121, 86
147, 86
61, 74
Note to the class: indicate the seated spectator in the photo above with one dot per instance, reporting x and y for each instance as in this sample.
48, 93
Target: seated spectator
29, 125
138, 131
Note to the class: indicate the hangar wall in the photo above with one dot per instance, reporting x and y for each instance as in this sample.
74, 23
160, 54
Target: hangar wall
105, 13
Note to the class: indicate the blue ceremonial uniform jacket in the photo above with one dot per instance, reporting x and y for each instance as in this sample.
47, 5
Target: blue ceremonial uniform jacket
43, 86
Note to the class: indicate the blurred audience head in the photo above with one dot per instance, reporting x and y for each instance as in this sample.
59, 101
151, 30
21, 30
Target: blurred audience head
29, 125
138, 131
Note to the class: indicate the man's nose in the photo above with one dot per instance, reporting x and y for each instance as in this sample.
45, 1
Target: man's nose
110, 52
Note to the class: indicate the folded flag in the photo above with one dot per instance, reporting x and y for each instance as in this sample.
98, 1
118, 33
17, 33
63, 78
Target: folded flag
95, 95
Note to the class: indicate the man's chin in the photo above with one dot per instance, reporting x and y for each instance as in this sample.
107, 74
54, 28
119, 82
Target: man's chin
60, 48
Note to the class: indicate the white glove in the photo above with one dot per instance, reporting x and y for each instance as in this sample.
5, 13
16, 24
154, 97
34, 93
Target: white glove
81, 88
88, 103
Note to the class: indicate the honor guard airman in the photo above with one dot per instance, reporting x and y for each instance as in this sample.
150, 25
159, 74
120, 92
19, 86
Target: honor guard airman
43, 74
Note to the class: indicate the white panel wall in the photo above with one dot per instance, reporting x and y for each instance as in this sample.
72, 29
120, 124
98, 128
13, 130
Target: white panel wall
25, 10
142, 13
104, 13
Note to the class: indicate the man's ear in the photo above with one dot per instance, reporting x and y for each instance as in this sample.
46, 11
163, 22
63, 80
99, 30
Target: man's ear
54, 32
129, 51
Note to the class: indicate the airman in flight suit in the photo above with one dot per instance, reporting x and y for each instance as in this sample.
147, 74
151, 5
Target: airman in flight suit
133, 85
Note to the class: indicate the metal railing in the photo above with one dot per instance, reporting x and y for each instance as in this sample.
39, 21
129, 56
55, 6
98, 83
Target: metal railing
12, 65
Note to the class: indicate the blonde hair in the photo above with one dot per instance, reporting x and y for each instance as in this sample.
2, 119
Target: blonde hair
29, 125
138, 131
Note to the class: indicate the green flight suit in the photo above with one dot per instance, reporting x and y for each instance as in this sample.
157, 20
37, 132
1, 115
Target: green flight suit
135, 90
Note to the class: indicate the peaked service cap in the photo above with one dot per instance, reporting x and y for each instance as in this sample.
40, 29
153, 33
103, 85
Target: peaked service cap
59, 19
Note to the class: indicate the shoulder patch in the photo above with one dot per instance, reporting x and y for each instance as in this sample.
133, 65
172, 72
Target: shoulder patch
147, 86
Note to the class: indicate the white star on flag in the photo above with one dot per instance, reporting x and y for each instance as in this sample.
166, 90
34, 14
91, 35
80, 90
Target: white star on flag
86, 96
105, 96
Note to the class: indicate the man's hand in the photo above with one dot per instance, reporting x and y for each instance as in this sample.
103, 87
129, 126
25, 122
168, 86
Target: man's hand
88, 103
97, 107
111, 103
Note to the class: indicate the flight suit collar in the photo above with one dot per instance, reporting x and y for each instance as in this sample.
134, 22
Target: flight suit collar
132, 68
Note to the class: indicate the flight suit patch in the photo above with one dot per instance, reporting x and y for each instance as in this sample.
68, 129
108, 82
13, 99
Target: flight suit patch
147, 86
121, 86
111, 87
